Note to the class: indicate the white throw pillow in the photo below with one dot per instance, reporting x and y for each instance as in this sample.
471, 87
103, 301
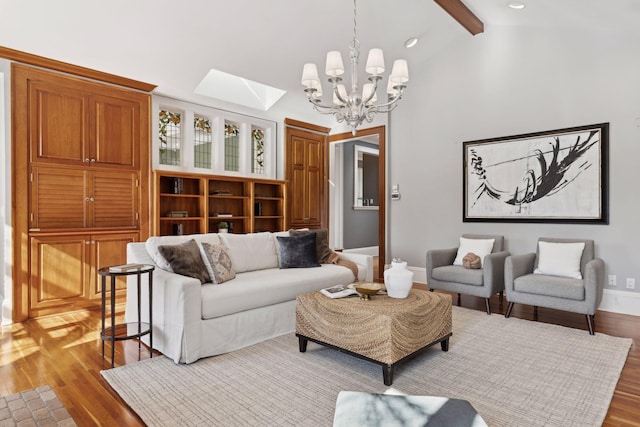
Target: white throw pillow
560, 259
480, 247
249, 252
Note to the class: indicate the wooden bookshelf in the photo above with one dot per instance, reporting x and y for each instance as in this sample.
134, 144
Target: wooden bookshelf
191, 203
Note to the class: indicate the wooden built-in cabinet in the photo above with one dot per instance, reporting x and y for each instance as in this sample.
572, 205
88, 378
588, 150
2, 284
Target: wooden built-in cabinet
72, 125
64, 268
92, 198
190, 203
80, 189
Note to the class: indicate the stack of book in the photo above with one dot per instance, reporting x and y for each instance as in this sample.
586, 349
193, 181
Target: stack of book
178, 214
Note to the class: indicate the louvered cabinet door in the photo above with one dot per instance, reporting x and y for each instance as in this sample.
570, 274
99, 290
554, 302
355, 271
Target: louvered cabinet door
58, 198
113, 199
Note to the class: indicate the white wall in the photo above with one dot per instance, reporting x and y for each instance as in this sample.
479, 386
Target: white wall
5, 195
511, 81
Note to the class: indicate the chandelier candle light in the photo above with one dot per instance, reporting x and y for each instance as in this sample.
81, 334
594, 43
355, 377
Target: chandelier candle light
353, 107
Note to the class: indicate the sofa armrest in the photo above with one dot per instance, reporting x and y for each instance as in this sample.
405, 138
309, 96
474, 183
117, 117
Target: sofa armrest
493, 271
516, 266
365, 264
439, 258
594, 283
177, 306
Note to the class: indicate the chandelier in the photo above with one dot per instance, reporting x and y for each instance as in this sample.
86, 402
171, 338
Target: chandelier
354, 107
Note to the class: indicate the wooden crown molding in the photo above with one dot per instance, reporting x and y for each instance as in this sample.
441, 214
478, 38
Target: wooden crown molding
52, 64
462, 14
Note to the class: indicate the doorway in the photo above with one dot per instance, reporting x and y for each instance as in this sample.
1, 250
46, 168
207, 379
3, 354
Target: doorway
375, 202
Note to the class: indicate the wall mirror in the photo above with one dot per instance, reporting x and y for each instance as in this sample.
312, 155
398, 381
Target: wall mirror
365, 178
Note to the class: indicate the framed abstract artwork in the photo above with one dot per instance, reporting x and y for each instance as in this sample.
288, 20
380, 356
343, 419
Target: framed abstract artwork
557, 176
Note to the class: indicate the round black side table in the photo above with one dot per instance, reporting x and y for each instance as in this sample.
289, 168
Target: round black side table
126, 331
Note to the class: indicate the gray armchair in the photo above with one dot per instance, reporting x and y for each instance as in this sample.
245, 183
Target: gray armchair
561, 293
484, 282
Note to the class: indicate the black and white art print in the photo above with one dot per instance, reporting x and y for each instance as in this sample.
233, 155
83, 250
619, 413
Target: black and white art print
554, 176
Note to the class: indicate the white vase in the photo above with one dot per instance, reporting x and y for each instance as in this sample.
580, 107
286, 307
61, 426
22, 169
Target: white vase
398, 279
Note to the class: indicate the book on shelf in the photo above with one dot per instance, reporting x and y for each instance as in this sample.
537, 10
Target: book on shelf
125, 267
221, 193
223, 215
338, 291
178, 214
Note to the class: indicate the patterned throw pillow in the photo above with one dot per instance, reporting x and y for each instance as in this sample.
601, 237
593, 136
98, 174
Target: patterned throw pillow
218, 263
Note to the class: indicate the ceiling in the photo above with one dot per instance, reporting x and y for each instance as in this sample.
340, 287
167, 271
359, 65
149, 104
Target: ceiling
175, 44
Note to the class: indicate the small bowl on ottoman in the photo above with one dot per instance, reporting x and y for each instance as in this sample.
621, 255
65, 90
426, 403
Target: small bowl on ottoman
366, 289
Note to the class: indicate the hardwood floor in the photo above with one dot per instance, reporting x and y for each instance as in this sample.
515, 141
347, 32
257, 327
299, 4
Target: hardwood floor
64, 352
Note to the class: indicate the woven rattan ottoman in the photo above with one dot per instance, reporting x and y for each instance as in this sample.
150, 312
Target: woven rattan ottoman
382, 330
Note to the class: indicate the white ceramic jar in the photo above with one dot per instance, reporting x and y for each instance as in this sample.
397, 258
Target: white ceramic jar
398, 279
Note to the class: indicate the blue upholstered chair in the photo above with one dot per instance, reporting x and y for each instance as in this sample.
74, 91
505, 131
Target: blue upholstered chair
484, 282
579, 295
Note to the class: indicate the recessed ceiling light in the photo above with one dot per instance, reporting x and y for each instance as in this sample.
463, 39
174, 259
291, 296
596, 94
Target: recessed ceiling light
518, 5
411, 42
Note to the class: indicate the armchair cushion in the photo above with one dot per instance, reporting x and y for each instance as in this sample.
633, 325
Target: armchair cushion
480, 247
553, 286
454, 273
559, 259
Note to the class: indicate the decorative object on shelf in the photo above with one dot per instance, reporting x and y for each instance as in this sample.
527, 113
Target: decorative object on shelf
398, 279
223, 227
354, 107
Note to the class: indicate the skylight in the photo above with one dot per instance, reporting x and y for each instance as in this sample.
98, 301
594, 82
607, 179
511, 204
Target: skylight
227, 87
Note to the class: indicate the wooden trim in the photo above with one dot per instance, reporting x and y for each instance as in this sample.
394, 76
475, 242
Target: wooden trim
52, 64
462, 14
382, 198
306, 126
19, 199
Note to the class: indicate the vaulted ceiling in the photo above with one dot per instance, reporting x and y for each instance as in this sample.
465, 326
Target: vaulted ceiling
174, 44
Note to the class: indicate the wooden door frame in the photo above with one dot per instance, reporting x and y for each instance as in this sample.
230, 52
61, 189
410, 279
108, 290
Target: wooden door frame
380, 131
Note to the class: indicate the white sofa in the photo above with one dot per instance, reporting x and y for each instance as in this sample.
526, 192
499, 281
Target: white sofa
193, 320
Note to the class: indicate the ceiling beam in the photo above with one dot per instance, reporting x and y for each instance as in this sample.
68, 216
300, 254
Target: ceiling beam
462, 14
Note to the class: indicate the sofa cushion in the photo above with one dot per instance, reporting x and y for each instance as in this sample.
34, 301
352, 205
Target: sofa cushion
323, 251
554, 286
480, 247
186, 259
249, 252
560, 259
255, 289
152, 244
217, 261
457, 274
298, 251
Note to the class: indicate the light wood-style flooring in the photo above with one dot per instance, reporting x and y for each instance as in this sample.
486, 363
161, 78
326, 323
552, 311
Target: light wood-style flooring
64, 352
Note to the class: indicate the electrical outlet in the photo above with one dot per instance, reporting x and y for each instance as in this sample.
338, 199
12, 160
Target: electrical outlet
612, 280
631, 283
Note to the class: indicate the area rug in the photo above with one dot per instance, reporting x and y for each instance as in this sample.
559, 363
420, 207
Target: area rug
37, 407
514, 372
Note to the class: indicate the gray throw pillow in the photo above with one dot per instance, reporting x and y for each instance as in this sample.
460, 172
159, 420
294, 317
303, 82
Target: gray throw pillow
298, 251
186, 259
322, 242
